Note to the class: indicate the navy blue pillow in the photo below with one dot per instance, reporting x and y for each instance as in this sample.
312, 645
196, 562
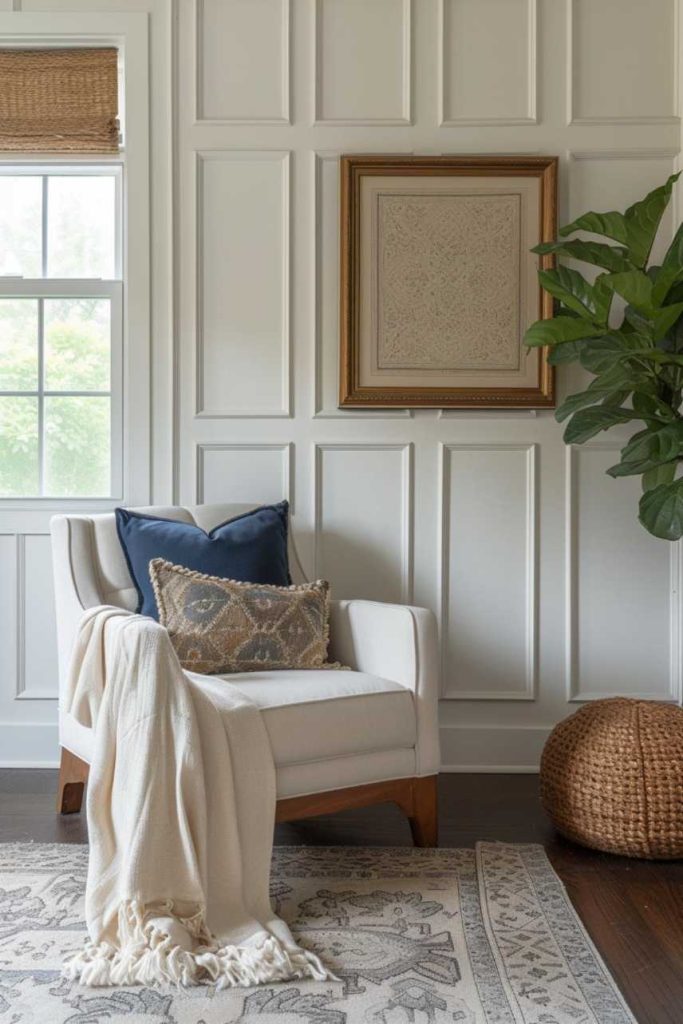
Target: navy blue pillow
251, 548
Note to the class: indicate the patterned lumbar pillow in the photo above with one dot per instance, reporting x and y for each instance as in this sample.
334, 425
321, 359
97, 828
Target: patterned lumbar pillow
218, 625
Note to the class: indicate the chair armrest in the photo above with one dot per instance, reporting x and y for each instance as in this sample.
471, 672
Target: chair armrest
396, 642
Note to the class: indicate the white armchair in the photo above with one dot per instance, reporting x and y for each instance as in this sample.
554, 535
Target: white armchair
340, 739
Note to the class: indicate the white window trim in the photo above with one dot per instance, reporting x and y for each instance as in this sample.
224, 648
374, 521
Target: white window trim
128, 32
46, 288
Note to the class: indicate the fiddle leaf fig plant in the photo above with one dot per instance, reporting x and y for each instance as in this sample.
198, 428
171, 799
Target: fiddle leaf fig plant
637, 363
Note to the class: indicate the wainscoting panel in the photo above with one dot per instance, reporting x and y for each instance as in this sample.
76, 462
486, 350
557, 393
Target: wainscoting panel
37, 629
607, 41
546, 589
242, 61
244, 473
363, 520
488, 572
488, 77
243, 283
10, 595
362, 62
623, 616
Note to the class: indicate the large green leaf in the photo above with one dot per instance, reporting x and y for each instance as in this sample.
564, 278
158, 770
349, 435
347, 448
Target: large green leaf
649, 406
663, 474
612, 225
571, 288
661, 510
634, 286
671, 270
656, 355
602, 298
665, 318
599, 354
586, 423
616, 381
569, 352
649, 450
609, 257
560, 329
643, 219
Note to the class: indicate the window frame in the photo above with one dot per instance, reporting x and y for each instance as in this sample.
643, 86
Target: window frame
40, 288
129, 32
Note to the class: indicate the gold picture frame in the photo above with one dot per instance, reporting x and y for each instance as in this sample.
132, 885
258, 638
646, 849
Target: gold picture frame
437, 281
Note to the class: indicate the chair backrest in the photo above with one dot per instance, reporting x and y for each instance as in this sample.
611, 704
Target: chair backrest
90, 567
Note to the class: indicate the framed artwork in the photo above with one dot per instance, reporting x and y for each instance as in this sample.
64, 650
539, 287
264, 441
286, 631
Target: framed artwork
437, 281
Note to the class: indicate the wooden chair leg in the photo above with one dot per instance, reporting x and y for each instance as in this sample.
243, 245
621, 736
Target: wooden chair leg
73, 774
424, 817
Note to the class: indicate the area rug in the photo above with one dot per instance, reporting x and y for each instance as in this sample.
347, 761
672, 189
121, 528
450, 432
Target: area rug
485, 936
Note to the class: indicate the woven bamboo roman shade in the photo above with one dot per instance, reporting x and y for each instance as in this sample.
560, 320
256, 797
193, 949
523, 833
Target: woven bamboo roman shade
59, 101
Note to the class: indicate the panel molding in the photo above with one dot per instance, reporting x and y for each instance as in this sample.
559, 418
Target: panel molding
407, 474
286, 450
617, 120
444, 543
531, 117
406, 117
22, 691
283, 118
201, 157
572, 693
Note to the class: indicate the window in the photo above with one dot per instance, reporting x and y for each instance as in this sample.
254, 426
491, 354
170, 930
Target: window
60, 331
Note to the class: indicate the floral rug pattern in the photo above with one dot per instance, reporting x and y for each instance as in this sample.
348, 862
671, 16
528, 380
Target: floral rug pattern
485, 936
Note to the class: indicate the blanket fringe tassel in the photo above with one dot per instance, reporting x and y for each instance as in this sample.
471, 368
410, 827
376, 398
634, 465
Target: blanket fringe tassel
149, 954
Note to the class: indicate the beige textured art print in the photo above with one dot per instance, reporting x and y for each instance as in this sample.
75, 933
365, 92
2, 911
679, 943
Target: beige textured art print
437, 255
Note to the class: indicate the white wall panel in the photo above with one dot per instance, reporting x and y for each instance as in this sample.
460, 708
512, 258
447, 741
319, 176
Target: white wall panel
363, 520
622, 61
488, 566
612, 180
37, 679
242, 57
243, 283
9, 620
244, 472
362, 61
620, 604
488, 77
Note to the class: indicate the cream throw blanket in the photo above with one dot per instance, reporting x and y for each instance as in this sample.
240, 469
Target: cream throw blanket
181, 803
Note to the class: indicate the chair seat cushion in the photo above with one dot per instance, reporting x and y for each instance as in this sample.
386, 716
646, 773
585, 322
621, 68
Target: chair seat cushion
323, 713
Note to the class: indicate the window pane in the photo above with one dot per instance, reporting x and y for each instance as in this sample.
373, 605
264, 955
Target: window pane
77, 447
21, 198
77, 333
18, 446
81, 226
18, 345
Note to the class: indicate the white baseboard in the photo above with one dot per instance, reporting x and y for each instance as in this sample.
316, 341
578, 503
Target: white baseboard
491, 749
29, 745
29, 764
489, 769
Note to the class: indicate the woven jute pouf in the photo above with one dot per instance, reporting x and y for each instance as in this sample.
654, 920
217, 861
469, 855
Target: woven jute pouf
612, 778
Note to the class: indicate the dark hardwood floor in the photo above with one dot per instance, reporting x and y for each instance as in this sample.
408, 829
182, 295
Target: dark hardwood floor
632, 909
